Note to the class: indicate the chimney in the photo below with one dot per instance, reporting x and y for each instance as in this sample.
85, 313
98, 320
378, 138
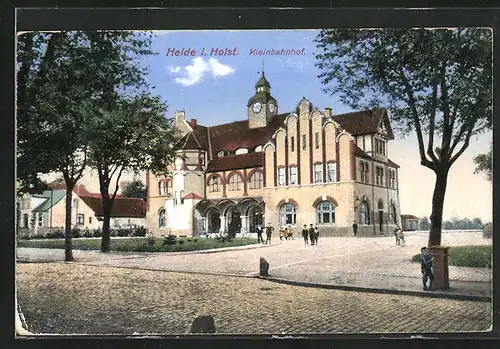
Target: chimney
194, 123
328, 112
179, 115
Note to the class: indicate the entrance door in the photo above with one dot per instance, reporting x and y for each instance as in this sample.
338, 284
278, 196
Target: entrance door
255, 216
234, 223
381, 219
214, 221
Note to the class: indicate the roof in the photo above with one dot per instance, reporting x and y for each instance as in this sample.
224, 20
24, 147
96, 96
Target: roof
56, 196
192, 196
236, 162
122, 207
78, 189
408, 216
391, 163
196, 139
364, 122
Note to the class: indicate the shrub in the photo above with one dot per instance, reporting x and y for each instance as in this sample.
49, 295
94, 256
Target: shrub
170, 240
97, 233
141, 231
75, 233
150, 240
181, 242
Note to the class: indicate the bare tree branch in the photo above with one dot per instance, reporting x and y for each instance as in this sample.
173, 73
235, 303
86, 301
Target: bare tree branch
464, 146
447, 131
432, 123
117, 181
411, 99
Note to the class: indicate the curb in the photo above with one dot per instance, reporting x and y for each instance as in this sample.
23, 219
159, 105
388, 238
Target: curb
428, 294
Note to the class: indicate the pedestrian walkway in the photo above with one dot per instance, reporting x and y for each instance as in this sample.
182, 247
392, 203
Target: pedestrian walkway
343, 262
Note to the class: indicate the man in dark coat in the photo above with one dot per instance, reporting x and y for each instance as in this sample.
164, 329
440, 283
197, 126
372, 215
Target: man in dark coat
355, 228
305, 234
312, 235
269, 231
259, 234
316, 235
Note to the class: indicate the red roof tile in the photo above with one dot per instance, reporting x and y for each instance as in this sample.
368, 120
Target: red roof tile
364, 122
408, 216
122, 207
192, 196
236, 162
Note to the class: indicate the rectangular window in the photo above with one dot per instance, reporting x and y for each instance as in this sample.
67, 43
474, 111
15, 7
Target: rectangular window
40, 219
364, 146
292, 144
90, 220
332, 172
281, 176
318, 173
293, 175
304, 145
80, 219
316, 140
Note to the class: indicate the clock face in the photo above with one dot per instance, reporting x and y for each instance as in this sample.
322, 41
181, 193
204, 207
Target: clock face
271, 107
257, 107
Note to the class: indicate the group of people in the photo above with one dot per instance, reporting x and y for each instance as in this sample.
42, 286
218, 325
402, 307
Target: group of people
269, 232
310, 234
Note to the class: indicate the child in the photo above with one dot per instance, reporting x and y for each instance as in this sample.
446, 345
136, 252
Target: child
426, 267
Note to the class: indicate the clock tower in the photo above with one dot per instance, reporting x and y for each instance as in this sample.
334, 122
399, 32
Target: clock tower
262, 107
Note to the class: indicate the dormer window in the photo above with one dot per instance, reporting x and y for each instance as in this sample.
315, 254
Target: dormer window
220, 154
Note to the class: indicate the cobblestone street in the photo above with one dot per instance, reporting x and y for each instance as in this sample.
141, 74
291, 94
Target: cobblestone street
74, 298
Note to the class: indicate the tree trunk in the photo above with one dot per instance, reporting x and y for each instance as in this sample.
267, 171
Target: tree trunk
68, 252
436, 218
106, 239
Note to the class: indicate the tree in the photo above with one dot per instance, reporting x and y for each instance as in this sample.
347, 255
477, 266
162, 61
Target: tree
424, 223
484, 164
435, 82
135, 189
134, 136
54, 98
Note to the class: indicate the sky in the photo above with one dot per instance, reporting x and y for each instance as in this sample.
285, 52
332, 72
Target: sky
215, 89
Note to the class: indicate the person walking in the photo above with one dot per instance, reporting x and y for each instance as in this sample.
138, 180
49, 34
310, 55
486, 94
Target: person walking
312, 235
305, 234
316, 235
269, 232
426, 267
259, 235
396, 230
354, 228
282, 233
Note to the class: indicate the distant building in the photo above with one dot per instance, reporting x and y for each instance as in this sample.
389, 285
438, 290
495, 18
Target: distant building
409, 222
42, 212
300, 167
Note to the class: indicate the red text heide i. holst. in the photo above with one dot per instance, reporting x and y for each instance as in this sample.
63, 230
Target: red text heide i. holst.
214, 51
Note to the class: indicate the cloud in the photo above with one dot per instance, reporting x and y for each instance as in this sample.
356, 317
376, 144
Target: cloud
194, 72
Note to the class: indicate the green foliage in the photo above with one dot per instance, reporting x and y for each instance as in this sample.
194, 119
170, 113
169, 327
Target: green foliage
454, 224
467, 256
135, 189
484, 164
139, 244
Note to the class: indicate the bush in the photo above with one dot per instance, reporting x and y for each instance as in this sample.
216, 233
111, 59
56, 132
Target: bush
97, 233
181, 242
75, 233
141, 231
170, 240
150, 240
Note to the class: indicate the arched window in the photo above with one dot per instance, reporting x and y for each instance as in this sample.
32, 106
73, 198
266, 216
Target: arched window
235, 182
169, 187
256, 180
161, 219
181, 198
325, 213
331, 170
161, 187
393, 213
214, 184
364, 213
288, 214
